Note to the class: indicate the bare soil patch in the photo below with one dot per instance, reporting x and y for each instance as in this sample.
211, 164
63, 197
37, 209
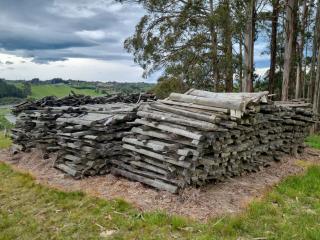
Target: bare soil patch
202, 203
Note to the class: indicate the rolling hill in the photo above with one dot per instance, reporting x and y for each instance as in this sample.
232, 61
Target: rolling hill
40, 91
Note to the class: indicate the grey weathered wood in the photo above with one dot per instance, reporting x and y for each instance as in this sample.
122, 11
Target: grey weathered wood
202, 125
168, 128
218, 102
250, 141
157, 156
153, 144
152, 182
196, 106
189, 114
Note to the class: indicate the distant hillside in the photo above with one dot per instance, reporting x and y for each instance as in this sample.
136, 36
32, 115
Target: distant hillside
58, 87
40, 91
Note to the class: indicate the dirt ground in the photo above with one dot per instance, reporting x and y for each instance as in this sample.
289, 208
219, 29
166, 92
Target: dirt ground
213, 200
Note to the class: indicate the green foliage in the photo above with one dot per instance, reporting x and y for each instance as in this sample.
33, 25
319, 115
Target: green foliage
191, 40
167, 86
26, 89
10, 90
130, 87
10, 100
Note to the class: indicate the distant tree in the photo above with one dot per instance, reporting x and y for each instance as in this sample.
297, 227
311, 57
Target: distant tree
10, 90
166, 86
35, 81
26, 89
58, 81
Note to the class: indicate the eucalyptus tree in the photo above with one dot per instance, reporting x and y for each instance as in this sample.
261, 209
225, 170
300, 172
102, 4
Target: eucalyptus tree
316, 98
312, 72
291, 7
249, 36
191, 40
276, 7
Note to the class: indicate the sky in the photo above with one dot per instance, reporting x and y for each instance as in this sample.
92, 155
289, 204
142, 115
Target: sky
73, 39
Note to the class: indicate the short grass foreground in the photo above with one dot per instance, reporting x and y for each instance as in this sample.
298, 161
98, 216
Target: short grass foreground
5, 141
32, 211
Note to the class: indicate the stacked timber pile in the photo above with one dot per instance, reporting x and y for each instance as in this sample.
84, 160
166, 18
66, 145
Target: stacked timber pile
78, 100
36, 122
37, 128
193, 138
89, 141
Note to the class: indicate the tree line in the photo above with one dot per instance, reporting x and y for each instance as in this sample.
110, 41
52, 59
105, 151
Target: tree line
210, 44
9, 90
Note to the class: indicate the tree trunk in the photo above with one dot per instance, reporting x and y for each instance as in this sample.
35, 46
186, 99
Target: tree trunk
312, 86
293, 72
215, 60
273, 47
240, 61
316, 96
289, 48
214, 49
300, 47
228, 48
317, 84
247, 85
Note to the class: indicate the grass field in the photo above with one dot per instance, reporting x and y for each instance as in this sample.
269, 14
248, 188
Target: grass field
31, 211
40, 91
4, 123
5, 142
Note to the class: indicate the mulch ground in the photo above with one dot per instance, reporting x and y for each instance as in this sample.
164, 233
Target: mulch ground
213, 200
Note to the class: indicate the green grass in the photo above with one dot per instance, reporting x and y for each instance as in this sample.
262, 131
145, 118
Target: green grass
4, 123
31, 211
5, 142
40, 91
313, 141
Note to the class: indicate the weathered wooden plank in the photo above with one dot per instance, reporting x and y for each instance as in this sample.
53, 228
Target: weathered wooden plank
168, 128
217, 102
151, 182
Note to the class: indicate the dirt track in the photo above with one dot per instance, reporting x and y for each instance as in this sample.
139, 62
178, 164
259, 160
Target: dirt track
203, 203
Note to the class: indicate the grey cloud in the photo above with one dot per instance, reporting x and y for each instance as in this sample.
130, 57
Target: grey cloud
8, 62
55, 30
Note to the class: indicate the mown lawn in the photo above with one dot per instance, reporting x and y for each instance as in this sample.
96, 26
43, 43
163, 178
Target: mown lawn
32, 211
40, 91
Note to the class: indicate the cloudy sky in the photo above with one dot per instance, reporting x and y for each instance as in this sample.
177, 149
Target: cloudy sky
77, 39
